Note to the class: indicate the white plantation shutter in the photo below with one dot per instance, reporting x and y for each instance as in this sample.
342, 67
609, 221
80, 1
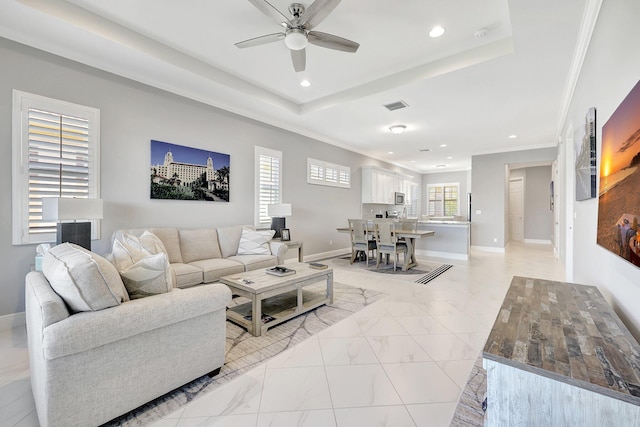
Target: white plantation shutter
324, 173
57, 156
443, 199
269, 182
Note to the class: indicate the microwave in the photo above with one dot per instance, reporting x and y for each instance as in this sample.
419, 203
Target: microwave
398, 198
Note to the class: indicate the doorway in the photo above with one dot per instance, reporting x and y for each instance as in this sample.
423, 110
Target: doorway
516, 209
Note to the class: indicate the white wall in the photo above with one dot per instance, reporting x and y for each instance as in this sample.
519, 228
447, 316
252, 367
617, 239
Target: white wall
489, 174
538, 220
131, 115
611, 68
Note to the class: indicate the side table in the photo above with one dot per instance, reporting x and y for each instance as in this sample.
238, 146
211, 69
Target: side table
293, 244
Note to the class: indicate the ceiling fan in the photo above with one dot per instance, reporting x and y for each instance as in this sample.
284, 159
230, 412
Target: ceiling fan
297, 30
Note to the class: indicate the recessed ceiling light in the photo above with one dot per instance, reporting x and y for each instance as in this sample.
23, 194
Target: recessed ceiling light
436, 31
481, 33
397, 129
390, 152
513, 136
413, 161
443, 145
449, 158
441, 166
305, 83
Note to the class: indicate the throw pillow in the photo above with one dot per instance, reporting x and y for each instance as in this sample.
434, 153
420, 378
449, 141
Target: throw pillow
147, 277
254, 242
84, 280
139, 267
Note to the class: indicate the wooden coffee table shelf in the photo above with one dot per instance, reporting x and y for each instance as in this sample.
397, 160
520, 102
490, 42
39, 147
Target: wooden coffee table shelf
282, 298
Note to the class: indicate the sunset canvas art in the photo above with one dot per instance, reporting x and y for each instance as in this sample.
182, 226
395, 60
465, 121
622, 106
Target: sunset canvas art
619, 194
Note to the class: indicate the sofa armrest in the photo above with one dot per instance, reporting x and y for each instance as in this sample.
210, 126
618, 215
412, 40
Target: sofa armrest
278, 249
87, 330
43, 301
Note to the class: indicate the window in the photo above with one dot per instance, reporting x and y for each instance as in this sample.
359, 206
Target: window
268, 183
443, 199
324, 173
412, 200
56, 153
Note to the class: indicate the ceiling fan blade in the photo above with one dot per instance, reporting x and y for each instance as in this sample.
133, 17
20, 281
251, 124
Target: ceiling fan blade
257, 41
271, 11
299, 59
318, 10
332, 42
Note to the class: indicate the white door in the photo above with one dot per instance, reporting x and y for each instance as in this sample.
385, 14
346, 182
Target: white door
516, 209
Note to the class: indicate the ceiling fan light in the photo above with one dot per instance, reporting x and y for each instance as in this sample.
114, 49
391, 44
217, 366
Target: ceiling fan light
397, 129
296, 39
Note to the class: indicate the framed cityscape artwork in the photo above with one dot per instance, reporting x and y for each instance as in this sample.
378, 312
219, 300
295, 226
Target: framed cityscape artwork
185, 173
586, 160
619, 195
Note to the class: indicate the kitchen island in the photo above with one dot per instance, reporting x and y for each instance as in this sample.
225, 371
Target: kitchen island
451, 239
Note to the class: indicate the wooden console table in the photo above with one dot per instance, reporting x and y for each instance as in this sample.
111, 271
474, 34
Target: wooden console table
559, 355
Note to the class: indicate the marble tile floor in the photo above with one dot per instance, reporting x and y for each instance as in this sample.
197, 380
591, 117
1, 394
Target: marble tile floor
402, 361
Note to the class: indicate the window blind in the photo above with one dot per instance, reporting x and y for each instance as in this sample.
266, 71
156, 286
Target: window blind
58, 162
269, 184
56, 153
324, 173
443, 199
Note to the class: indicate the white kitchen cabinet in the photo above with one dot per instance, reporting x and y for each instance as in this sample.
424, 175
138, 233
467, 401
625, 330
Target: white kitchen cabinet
379, 185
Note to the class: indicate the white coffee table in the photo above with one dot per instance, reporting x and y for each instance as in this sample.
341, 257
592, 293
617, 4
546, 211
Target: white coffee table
260, 287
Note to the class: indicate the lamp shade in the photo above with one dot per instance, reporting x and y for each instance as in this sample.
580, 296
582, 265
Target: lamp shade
279, 210
67, 208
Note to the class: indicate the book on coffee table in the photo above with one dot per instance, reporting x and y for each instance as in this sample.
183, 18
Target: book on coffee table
279, 270
318, 266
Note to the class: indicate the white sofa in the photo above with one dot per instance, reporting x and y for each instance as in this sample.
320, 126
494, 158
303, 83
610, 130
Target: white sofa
92, 364
206, 254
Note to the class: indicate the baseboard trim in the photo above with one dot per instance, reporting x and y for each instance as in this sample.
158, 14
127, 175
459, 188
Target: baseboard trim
14, 320
488, 249
438, 254
538, 241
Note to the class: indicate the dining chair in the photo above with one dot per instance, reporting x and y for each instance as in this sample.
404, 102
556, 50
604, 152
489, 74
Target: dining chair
406, 224
388, 244
360, 241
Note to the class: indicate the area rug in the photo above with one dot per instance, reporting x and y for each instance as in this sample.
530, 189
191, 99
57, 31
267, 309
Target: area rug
426, 269
469, 411
244, 351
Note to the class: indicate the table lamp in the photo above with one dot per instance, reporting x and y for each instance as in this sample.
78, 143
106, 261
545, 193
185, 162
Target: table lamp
278, 213
78, 211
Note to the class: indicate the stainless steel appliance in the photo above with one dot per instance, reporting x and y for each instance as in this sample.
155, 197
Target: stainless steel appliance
398, 198
393, 214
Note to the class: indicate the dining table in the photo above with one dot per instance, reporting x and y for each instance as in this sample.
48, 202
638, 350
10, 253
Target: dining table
409, 237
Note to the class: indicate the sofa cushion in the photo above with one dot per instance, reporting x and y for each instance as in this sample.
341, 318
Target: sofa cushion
214, 268
143, 273
254, 262
229, 239
171, 241
199, 244
84, 280
187, 274
254, 242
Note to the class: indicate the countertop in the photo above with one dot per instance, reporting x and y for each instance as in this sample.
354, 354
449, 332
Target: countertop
569, 333
444, 221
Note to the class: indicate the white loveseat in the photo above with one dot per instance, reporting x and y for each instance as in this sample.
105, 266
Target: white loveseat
203, 255
94, 354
